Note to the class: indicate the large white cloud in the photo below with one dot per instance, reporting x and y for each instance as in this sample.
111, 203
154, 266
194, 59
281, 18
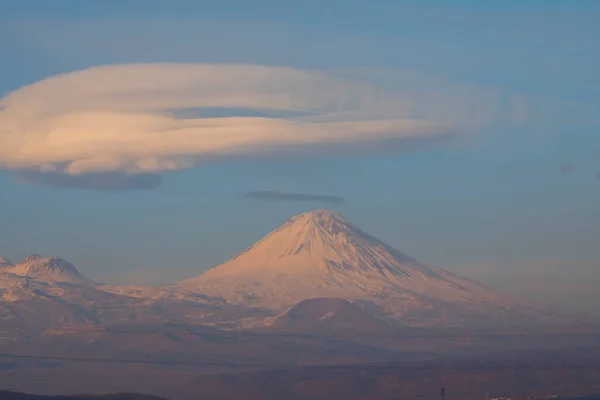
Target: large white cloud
127, 119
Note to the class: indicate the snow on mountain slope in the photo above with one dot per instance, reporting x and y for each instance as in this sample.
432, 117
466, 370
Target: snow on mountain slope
4, 263
27, 301
45, 292
49, 269
321, 254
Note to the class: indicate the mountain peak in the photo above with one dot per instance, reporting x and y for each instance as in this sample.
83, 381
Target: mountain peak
320, 217
50, 268
304, 242
325, 221
316, 244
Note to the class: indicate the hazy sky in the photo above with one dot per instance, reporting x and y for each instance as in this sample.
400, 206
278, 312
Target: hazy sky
466, 135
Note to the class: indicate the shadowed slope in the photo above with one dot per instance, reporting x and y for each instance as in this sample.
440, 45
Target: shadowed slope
326, 315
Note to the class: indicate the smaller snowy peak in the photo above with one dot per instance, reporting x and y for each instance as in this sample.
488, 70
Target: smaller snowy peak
50, 269
4, 263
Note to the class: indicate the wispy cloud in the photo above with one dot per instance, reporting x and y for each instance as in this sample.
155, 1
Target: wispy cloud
89, 127
567, 169
304, 197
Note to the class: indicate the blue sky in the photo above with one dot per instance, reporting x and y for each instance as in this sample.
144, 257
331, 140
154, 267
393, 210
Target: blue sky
505, 199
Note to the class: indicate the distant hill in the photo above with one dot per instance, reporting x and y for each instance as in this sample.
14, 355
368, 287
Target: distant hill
326, 315
5, 395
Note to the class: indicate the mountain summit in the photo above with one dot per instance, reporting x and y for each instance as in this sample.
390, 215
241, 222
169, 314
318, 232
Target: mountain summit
49, 269
321, 254
319, 243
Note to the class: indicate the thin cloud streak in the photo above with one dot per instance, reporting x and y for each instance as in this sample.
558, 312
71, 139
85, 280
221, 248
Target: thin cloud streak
301, 197
567, 169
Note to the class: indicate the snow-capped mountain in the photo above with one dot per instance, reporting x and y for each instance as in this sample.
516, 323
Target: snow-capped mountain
314, 255
320, 254
50, 269
46, 291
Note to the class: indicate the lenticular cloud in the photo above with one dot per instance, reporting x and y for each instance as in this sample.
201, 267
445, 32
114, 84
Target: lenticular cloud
150, 118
